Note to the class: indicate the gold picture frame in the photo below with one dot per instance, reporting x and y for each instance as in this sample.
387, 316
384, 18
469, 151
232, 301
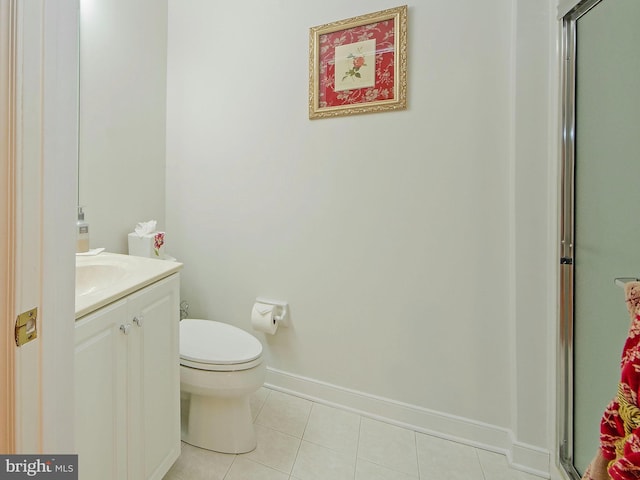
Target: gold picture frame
359, 65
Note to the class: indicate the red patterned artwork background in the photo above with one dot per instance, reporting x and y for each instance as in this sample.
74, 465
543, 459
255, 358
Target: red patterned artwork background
383, 33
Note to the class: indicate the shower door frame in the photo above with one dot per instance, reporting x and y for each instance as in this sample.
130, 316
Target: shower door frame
567, 236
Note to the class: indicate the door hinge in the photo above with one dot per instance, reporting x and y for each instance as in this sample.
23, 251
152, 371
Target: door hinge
26, 330
566, 261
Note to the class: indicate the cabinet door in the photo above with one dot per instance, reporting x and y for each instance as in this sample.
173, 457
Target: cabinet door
154, 382
100, 394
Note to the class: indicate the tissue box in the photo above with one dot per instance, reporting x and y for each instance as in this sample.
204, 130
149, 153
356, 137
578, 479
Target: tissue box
149, 245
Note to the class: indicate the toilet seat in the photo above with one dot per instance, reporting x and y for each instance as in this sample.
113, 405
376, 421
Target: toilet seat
217, 346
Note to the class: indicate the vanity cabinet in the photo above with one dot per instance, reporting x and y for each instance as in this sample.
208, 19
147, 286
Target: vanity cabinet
127, 390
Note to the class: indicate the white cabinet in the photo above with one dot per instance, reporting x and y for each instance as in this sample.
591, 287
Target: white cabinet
101, 394
128, 386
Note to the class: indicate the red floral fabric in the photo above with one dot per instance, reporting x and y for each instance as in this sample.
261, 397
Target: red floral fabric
619, 445
383, 33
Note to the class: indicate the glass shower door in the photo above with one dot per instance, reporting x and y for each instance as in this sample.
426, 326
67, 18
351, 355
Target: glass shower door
606, 208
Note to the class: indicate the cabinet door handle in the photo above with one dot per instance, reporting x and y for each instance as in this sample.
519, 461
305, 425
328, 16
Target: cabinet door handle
125, 328
138, 320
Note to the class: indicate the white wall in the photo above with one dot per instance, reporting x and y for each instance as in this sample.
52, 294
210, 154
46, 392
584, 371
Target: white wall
386, 233
407, 243
534, 209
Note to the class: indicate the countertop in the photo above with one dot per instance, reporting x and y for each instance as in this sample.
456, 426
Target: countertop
129, 273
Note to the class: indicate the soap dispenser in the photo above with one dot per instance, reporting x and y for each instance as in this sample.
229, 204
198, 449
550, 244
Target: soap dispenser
82, 233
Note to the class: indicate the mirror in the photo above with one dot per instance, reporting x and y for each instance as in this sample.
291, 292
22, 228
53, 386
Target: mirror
122, 97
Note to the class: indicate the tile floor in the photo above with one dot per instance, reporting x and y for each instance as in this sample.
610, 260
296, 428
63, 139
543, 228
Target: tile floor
302, 440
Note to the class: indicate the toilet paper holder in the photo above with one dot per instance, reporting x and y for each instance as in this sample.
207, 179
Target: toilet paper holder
282, 313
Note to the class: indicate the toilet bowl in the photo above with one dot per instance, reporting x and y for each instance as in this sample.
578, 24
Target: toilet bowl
220, 367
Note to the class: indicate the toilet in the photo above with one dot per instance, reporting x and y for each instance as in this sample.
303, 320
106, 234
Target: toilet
220, 367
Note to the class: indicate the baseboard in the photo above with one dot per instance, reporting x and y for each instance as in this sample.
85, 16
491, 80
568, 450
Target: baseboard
530, 459
527, 458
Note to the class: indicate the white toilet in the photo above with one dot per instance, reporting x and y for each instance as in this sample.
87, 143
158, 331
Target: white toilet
220, 367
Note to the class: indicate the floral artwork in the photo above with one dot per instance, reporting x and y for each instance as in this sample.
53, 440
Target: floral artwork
358, 65
158, 242
355, 65
381, 88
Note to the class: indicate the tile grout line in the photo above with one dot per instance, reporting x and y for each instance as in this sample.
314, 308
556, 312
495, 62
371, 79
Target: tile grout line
484, 476
306, 424
293, 466
226, 474
355, 469
415, 441
264, 402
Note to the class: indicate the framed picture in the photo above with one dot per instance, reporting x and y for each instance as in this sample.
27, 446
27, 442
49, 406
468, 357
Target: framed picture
359, 65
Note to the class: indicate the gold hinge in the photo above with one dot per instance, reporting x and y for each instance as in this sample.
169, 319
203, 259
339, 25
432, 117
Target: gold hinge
26, 327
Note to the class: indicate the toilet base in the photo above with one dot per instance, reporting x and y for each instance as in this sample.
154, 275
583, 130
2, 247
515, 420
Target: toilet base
220, 424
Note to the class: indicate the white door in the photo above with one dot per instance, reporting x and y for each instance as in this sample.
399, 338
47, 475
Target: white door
6, 214
38, 170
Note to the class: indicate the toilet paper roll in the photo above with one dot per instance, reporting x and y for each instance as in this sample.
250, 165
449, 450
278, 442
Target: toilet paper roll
263, 318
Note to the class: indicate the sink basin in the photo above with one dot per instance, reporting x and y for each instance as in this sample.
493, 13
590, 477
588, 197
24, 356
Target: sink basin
91, 278
107, 277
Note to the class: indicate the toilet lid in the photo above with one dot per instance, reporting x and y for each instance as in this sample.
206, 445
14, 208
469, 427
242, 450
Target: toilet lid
211, 342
